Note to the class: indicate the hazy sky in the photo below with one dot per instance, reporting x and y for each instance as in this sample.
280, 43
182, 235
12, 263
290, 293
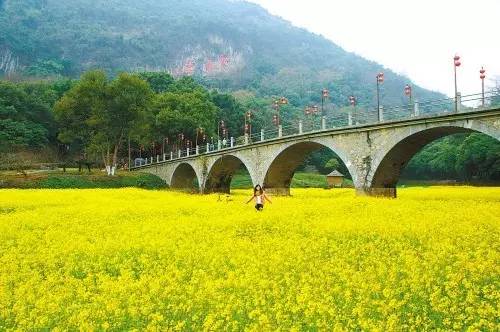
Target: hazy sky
415, 38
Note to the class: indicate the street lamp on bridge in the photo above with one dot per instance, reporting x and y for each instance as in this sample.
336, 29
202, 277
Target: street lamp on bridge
325, 94
409, 92
456, 63
221, 126
276, 106
482, 76
248, 123
380, 80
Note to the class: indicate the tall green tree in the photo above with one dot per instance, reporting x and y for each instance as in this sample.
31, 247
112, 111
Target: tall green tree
102, 113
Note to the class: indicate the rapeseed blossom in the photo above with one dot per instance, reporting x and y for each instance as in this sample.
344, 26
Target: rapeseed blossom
321, 260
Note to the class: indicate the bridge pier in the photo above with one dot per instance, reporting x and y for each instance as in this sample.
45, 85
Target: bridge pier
377, 192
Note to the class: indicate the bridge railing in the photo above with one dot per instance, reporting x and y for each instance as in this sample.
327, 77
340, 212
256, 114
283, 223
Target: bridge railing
349, 117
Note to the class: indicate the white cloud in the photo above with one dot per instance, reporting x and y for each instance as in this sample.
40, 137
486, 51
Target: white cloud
418, 38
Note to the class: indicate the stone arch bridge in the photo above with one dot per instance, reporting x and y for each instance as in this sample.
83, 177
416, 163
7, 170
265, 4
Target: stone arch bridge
374, 154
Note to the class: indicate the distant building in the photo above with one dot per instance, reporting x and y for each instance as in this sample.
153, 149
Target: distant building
335, 179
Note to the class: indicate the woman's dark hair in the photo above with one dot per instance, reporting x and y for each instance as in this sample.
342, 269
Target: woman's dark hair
260, 190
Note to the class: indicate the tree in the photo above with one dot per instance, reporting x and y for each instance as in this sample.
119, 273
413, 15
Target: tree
177, 113
158, 81
231, 112
332, 164
102, 114
26, 120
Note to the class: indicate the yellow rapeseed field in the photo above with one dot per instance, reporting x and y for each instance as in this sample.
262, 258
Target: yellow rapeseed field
320, 260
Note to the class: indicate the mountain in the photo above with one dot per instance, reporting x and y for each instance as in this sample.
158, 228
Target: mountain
229, 45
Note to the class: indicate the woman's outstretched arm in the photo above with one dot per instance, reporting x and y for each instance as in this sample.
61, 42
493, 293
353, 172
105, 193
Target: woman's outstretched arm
267, 198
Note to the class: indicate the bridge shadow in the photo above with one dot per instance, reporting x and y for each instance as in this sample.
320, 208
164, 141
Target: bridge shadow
185, 179
223, 172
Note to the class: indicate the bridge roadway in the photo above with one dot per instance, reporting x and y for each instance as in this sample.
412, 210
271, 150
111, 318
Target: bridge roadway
374, 154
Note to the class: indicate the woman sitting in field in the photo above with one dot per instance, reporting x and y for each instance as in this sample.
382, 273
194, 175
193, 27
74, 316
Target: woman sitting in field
259, 196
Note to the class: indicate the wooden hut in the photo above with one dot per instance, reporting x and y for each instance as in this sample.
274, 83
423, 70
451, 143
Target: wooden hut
335, 179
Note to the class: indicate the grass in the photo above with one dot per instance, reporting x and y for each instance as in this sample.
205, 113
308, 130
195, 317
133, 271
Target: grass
242, 180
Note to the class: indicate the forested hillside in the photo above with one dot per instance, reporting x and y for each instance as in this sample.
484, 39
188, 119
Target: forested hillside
230, 45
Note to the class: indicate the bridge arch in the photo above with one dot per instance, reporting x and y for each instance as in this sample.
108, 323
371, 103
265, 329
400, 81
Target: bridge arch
392, 159
281, 169
185, 177
221, 172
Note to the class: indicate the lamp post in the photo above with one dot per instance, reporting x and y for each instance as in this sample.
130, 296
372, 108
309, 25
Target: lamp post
276, 120
352, 101
380, 80
199, 131
181, 141
456, 63
165, 144
276, 106
408, 92
221, 126
324, 95
312, 111
482, 76
248, 123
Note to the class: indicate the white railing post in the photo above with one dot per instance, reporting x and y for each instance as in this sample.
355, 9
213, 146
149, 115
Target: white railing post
349, 118
323, 122
262, 134
171, 155
280, 131
164, 157
151, 160
197, 150
246, 139
301, 130
179, 153
232, 142
157, 158
219, 144
208, 147
416, 111
187, 152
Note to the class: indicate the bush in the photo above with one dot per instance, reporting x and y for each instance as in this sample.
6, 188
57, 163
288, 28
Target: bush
84, 181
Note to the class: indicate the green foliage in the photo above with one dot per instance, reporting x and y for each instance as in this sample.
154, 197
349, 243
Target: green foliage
101, 114
84, 181
183, 108
332, 164
158, 81
463, 156
26, 119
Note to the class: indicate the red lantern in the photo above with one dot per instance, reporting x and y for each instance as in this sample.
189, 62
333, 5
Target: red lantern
457, 61
352, 100
408, 90
482, 72
326, 93
380, 77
